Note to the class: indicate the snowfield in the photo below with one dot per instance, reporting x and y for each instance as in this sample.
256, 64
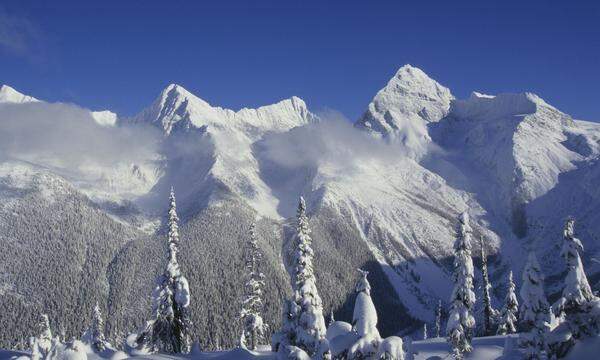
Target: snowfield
489, 348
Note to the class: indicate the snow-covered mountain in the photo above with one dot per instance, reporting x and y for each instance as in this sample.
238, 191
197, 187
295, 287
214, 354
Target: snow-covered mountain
225, 157
10, 95
383, 194
402, 110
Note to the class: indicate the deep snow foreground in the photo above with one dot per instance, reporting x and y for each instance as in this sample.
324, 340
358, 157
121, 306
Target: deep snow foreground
489, 348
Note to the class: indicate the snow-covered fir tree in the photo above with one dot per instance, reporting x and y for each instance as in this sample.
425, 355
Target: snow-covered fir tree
577, 289
168, 330
94, 335
254, 327
41, 345
438, 320
508, 314
364, 321
425, 331
488, 310
303, 323
460, 320
286, 336
535, 316
578, 305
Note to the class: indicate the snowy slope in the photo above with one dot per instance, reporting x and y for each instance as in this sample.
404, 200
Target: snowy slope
515, 139
489, 348
528, 164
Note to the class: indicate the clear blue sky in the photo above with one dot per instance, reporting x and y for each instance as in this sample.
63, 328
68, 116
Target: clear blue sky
335, 54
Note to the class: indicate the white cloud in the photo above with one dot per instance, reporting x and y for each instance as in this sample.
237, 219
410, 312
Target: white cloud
67, 137
333, 141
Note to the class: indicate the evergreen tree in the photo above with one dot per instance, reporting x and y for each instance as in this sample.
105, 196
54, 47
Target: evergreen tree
94, 335
535, 316
287, 334
577, 289
41, 345
364, 318
364, 322
168, 331
508, 315
461, 321
438, 320
425, 331
252, 304
310, 333
579, 306
488, 311
303, 323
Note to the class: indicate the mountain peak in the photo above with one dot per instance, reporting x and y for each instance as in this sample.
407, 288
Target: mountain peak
403, 108
176, 89
411, 71
10, 95
177, 108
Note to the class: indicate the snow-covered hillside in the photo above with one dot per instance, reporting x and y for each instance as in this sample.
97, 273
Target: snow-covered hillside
385, 192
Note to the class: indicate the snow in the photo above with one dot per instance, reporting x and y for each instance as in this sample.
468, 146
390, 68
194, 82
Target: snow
484, 153
403, 108
391, 346
488, 348
338, 328
105, 118
10, 95
232, 135
364, 317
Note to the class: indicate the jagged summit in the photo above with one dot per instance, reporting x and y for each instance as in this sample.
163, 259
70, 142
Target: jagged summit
403, 108
10, 95
178, 108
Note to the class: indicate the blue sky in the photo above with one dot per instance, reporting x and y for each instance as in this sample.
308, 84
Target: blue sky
119, 55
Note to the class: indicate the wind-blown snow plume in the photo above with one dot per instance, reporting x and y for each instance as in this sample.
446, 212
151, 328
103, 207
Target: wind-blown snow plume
332, 141
67, 136
105, 162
